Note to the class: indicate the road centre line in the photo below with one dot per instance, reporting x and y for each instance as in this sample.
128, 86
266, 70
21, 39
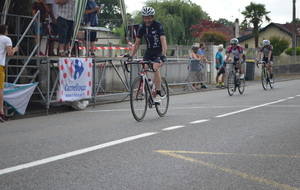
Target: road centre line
247, 109
290, 98
74, 153
199, 121
173, 127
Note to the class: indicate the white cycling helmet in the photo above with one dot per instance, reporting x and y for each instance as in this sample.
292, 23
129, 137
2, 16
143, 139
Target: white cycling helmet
148, 11
266, 42
234, 41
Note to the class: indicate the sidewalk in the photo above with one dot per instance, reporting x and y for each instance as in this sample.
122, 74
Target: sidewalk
38, 109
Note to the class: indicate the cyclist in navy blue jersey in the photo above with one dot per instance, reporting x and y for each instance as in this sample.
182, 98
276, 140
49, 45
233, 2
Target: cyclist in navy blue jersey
154, 34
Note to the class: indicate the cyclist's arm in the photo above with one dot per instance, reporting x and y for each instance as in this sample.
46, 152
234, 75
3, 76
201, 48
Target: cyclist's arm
163, 44
259, 55
240, 57
135, 46
269, 56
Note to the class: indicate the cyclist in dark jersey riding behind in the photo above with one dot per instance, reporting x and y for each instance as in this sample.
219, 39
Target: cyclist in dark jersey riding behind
238, 54
154, 34
267, 51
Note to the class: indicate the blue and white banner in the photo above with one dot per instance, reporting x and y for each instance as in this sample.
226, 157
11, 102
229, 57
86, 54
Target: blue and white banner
17, 96
75, 79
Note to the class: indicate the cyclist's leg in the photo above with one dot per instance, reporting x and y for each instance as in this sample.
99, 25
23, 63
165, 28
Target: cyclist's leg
157, 76
156, 66
270, 68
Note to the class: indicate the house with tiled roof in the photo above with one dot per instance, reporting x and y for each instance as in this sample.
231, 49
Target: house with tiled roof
273, 29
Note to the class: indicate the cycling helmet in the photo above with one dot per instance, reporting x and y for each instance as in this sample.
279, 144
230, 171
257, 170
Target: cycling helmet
148, 11
266, 42
234, 41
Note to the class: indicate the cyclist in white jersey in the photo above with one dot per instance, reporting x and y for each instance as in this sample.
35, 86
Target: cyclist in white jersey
238, 55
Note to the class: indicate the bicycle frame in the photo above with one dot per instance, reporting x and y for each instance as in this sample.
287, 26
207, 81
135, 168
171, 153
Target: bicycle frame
265, 75
237, 82
140, 87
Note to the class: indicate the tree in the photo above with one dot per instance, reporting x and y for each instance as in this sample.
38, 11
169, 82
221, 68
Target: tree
279, 44
215, 37
203, 26
255, 14
177, 16
208, 31
224, 22
110, 15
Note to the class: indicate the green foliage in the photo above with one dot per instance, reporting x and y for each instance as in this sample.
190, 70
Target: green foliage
110, 15
215, 37
177, 16
279, 44
224, 22
289, 51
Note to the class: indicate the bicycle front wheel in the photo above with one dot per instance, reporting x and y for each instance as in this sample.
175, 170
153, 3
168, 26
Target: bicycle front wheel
264, 79
231, 83
138, 98
241, 86
272, 83
163, 106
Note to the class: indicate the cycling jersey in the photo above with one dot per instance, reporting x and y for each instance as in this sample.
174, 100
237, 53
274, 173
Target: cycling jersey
236, 52
265, 50
152, 34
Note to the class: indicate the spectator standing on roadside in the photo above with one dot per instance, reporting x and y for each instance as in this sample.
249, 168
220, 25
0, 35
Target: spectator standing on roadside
220, 67
5, 48
201, 74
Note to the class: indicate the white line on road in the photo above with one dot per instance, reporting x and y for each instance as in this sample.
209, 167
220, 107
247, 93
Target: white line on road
74, 153
199, 121
247, 109
173, 127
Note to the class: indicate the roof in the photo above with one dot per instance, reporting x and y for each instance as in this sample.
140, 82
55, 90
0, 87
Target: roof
288, 28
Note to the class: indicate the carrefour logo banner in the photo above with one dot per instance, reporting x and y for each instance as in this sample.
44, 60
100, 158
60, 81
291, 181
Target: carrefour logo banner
75, 76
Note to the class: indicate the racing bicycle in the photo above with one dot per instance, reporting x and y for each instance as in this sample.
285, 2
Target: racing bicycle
143, 92
234, 81
265, 76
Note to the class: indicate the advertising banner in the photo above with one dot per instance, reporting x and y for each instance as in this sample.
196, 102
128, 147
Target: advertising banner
75, 79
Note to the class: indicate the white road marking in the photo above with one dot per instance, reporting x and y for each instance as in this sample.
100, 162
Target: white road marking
74, 153
290, 98
174, 127
247, 109
199, 121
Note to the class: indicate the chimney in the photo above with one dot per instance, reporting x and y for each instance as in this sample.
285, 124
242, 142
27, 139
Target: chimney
237, 28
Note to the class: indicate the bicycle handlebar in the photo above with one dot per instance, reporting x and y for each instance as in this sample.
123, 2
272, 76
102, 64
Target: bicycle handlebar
140, 62
260, 62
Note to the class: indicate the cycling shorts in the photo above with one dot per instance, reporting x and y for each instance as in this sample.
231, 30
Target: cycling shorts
153, 55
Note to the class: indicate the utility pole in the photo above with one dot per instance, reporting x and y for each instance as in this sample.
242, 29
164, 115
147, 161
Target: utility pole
294, 29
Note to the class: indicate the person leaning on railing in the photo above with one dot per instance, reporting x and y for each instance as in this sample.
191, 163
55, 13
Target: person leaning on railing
5, 49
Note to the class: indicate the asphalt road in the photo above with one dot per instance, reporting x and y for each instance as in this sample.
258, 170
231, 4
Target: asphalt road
207, 140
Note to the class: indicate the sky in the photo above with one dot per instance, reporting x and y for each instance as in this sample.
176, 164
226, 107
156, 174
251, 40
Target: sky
281, 11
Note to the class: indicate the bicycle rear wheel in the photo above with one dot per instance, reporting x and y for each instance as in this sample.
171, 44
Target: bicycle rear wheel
264, 79
241, 86
138, 98
162, 107
231, 83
